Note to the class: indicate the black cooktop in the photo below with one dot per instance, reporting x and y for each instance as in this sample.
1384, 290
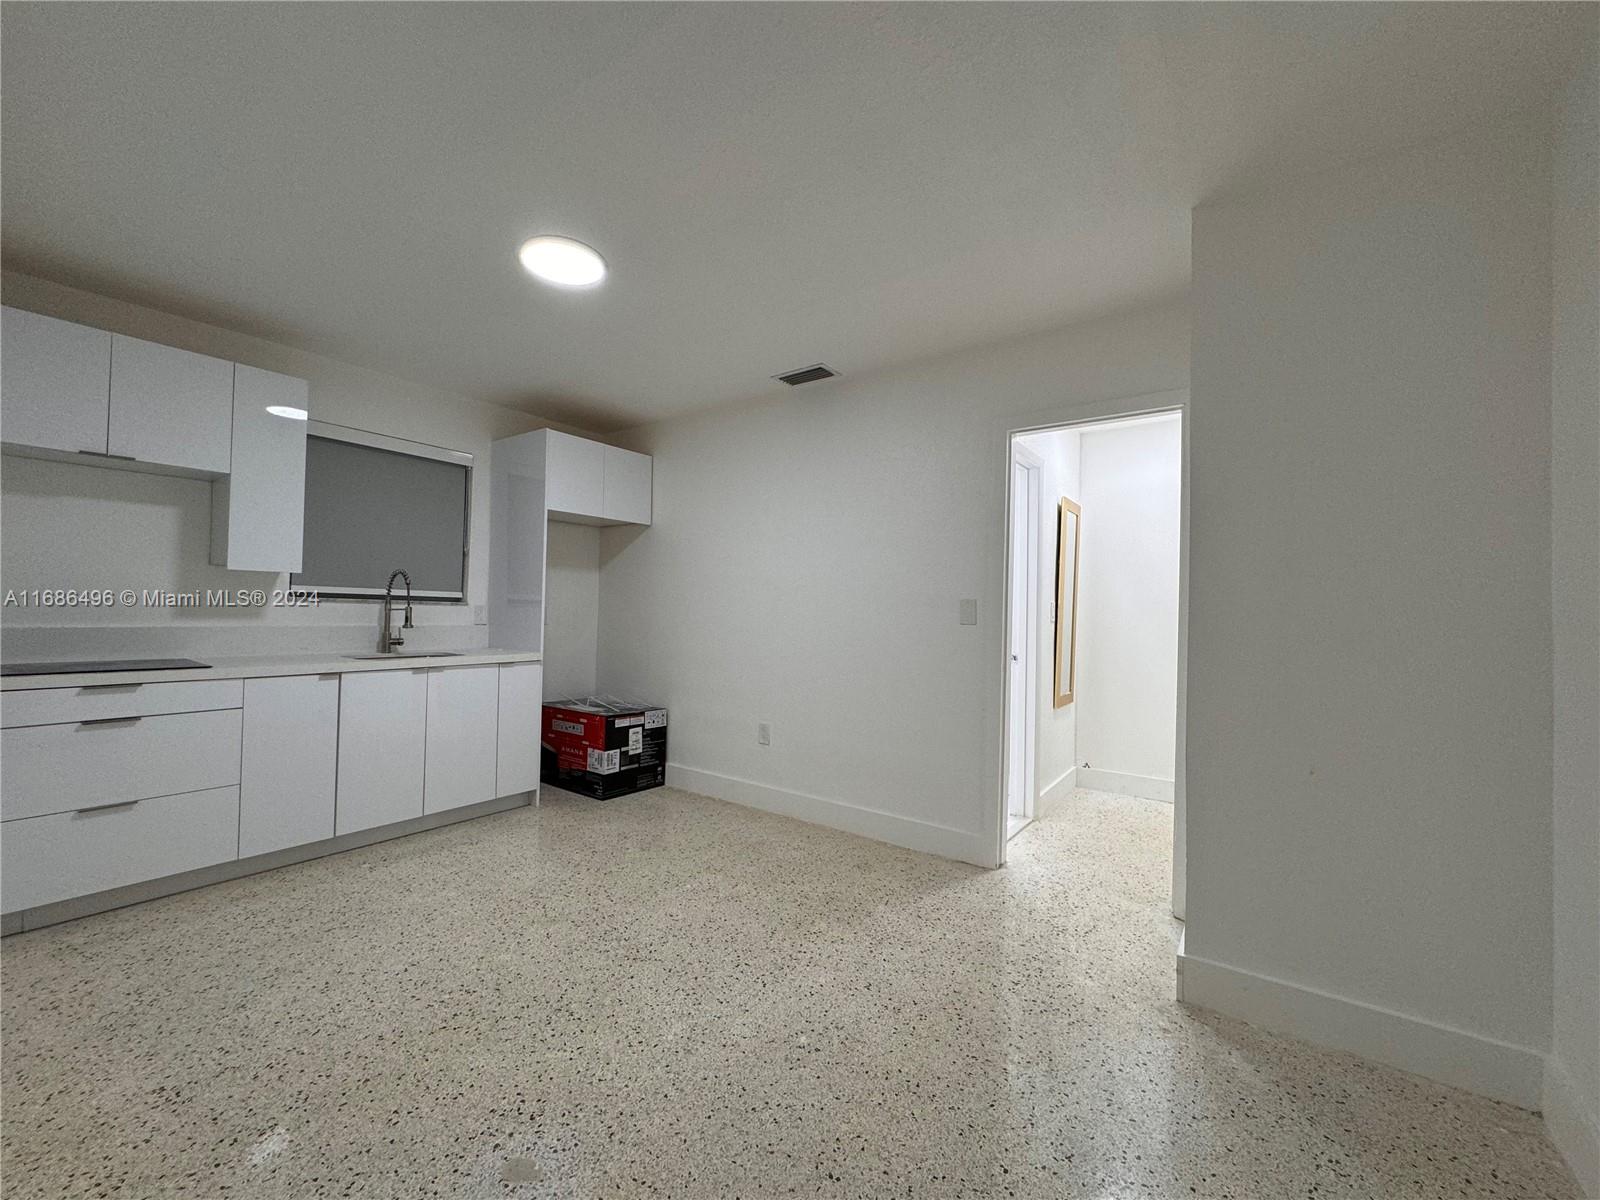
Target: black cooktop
111, 664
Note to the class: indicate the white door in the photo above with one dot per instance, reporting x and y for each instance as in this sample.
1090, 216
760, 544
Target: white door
290, 762
1022, 658
55, 383
463, 711
383, 727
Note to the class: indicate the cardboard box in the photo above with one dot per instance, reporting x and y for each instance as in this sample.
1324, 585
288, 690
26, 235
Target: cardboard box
603, 747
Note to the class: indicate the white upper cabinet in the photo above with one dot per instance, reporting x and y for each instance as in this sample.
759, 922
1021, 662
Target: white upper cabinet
54, 383
258, 509
594, 484
170, 407
627, 486
574, 475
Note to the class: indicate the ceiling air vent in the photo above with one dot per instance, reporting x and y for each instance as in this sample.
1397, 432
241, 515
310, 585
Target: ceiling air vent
806, 375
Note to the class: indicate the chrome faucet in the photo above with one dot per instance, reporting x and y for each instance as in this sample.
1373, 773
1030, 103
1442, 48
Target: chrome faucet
388, 639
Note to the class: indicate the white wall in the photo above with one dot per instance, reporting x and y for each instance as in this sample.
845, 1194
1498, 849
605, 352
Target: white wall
1369, 648
1572, 1081
69, 526
1057, 746
1128, 623
806, 564
571, 610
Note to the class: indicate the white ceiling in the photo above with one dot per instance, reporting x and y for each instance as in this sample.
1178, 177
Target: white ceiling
773, 185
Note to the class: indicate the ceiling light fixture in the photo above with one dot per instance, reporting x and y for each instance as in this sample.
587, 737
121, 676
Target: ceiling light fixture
283, 410
562, 261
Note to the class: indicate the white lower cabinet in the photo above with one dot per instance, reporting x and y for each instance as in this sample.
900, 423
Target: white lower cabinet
113, 760
463, 704
115, 784
67, 854
521, 711
290, 762
383, 719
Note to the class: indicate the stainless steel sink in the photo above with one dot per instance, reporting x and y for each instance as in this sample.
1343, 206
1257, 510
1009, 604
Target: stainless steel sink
409, 654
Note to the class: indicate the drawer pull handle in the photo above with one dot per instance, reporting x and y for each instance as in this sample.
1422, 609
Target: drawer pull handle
103, 454
94, 808
111, 687
110, 721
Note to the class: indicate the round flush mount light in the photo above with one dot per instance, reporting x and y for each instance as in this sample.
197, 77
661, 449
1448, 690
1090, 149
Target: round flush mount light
562, 261
283, 410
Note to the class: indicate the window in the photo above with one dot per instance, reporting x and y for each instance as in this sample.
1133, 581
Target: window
376, 503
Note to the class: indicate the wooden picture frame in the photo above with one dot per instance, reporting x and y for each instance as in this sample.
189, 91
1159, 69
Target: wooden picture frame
1069, 539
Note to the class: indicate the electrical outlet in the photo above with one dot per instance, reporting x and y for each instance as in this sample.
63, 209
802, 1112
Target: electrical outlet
763, 734
480, 615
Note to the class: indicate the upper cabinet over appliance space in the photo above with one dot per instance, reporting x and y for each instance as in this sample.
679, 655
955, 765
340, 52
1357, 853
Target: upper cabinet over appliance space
594, 484
83, 395
548, 476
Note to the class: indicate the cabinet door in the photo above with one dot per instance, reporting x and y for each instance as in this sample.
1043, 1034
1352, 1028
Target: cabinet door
258, 510
170, 407
462, 711
291, 753
627, 486
383, 720
574, 475
54, 384
521, 709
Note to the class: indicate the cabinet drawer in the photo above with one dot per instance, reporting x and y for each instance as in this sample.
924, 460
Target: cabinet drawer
55, 706
45, 859
54, 768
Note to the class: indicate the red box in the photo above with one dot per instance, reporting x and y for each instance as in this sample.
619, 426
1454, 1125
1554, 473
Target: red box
603, 747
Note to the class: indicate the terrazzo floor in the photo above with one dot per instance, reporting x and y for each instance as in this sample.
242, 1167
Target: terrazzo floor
665, 995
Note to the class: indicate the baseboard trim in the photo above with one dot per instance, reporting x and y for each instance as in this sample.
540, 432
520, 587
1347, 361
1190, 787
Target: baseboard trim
1146, 787
906, 832
1056, 792
1485, 1065
1575, 1133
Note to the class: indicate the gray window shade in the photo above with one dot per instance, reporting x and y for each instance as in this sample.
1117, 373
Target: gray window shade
369, 511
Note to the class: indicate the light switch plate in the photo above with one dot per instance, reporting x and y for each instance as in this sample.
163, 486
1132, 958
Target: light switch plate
969, 612
480, 615
763, 734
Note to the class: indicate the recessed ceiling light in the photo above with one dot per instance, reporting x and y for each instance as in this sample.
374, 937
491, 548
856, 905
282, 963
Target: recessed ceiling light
283, 410
562, 261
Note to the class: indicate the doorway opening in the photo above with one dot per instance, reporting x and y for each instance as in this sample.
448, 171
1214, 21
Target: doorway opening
1093, 627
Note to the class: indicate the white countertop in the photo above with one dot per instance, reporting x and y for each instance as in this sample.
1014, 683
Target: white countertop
272, 664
